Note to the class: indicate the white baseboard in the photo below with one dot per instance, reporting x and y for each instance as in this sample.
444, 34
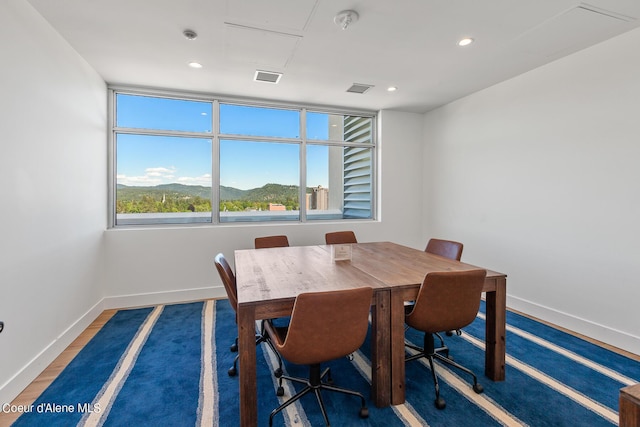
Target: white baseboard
16, 384
605, 334
170, 297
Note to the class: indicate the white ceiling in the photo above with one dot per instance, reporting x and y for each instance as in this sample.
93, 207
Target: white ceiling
410, 44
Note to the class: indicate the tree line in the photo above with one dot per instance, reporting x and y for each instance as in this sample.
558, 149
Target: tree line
180, 203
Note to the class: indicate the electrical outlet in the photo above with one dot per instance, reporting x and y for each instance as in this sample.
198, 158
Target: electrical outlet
1, 326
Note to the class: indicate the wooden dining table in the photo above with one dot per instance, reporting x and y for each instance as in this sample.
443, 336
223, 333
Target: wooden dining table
269, 280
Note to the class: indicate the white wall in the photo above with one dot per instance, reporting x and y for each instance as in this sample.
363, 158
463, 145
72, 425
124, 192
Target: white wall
158, 265
53, 175
539, 177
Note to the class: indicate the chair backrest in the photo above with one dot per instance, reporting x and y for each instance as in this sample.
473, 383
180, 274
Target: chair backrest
446, 248
326, 325
271, 242
447, 300
340, 237
228, 279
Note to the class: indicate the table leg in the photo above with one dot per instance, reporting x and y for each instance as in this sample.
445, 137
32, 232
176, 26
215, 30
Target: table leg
629, 403
380, 350
495, 333
397, 349
247, 369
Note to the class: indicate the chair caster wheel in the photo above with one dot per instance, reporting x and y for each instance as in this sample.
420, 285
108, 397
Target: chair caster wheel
478, 388
280, 391
232, 371
234, 347
449, 333
364, 412
440, 403
329, 379
277, 373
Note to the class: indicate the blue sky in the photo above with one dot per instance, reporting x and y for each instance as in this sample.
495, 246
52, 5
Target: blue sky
151, 160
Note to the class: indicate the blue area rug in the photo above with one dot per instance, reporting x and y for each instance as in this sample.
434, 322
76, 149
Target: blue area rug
167, 366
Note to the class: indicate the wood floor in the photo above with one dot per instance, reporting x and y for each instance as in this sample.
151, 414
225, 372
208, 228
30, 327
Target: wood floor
35, 389
31, 393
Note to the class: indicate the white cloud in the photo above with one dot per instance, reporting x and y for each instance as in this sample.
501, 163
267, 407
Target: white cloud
162, 175
138, 180
204, 180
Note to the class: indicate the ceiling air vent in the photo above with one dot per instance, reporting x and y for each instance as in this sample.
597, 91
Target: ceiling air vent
267, 76
359, 88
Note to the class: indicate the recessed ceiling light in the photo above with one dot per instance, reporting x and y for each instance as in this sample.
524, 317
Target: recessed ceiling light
194, 64
392, 89
189, 34
465, 41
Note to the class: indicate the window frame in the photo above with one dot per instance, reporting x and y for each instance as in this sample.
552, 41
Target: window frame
216, 136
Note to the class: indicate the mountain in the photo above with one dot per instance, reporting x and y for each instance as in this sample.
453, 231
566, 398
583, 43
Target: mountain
271, 192
267, 192
230, 193
126, 192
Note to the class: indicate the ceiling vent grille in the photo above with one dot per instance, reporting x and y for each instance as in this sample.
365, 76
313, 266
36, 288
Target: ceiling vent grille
359, 88
267, 76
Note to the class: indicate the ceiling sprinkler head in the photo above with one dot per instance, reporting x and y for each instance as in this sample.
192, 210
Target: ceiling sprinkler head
345, 18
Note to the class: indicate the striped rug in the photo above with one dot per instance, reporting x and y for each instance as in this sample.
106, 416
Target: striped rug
167, 366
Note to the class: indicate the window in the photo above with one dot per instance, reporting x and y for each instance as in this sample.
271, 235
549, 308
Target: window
259, 181
175, 158
348, 165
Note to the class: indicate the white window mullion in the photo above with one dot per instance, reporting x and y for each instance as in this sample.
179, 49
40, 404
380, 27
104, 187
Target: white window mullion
303, 165
215, 162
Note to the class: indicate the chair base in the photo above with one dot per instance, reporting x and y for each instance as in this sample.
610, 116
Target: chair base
431, 353
260, 338
441, 349
314, 384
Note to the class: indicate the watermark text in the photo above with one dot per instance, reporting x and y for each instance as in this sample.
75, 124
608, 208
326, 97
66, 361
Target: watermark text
50, 408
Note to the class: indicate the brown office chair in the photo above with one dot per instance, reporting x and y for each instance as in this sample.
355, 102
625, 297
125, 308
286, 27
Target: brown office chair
324, 326
271, 242
229, 281
340, 237
446, 301
446, 248
280, 241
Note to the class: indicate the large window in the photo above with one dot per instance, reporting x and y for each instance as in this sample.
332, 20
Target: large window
180, 160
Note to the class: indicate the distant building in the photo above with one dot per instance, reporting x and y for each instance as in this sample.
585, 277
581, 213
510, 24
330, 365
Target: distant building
319, 199
277, 207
